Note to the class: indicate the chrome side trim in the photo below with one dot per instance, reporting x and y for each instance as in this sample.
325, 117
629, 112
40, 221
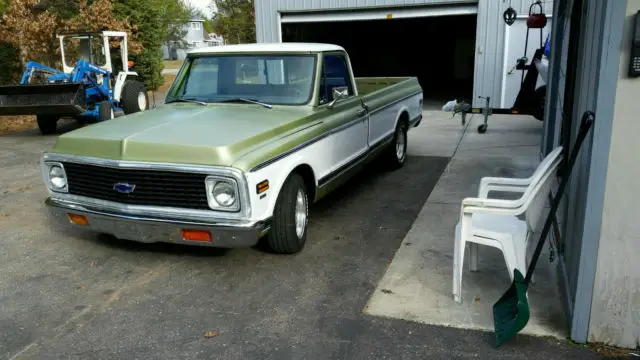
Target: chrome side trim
237, 175
309, 142
394, 102
328, 133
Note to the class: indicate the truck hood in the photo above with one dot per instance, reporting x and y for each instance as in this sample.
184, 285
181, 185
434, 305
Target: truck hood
184, 133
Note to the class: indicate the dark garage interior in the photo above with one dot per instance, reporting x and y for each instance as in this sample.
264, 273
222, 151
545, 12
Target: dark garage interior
438, 50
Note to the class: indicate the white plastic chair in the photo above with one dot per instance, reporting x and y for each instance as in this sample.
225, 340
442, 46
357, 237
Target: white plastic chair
495, 223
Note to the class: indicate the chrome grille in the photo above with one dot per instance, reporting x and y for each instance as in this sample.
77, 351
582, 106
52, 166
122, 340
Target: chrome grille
152, 187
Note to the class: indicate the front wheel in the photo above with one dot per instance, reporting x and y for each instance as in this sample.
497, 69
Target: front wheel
288, 232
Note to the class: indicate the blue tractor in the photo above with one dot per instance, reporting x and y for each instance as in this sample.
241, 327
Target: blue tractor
92, 86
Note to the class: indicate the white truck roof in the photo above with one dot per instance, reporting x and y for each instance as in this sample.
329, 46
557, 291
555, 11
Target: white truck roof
267, 47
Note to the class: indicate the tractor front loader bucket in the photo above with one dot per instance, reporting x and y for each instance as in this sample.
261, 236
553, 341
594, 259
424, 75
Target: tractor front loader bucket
43, 99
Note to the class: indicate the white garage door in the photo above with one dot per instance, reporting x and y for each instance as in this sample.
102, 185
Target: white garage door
379, 14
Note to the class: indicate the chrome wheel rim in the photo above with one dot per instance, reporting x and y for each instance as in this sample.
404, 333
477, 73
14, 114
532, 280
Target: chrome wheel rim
301, 213
142, 101
400, 143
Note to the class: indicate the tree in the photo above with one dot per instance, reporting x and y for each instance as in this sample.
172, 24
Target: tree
31, 28
156, 22
209, 26
235, 20
179, 14
28, 30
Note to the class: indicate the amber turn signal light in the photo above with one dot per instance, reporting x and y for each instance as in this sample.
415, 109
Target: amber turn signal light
262, 186
78, 219
197, 235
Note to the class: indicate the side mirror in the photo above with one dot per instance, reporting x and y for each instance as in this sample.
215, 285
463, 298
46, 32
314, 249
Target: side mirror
339, 93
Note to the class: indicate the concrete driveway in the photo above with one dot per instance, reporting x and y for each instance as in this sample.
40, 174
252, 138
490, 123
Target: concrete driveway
76, 295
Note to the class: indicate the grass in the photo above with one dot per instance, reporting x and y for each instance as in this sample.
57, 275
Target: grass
15, 124
173, 64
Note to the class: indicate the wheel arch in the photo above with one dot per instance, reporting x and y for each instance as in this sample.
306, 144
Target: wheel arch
277, 174
402, 117
307, 174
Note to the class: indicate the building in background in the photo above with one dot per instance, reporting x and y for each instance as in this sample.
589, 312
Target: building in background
195, 37
458, 49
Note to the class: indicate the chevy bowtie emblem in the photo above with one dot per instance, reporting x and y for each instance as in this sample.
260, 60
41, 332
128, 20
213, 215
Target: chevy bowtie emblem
124, 188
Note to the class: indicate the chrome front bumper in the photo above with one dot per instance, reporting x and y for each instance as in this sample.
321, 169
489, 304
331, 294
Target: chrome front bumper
225, 233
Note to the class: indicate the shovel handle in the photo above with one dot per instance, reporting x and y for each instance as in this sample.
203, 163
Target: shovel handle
587, 120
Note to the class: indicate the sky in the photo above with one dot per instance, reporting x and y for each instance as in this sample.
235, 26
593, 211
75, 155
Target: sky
202, 5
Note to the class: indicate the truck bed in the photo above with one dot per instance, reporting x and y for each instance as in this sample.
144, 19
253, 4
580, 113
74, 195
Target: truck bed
379, 92
368, 85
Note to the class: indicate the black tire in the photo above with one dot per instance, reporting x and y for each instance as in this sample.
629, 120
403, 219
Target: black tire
131, 91
47, 124
105, 111
391, 158
282, 237
539, 99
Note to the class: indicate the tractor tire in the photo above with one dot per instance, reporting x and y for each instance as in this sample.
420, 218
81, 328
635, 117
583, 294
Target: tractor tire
105, 111
134, 97
47, 124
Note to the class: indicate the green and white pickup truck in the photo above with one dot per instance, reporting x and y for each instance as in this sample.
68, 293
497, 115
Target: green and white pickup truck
248, 136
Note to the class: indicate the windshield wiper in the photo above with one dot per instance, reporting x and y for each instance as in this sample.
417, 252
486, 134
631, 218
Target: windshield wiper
268, 106
186, 100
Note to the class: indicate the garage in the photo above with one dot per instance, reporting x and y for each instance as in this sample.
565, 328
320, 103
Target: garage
434, 43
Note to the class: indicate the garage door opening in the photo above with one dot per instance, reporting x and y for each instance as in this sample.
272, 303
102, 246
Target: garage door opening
439, 51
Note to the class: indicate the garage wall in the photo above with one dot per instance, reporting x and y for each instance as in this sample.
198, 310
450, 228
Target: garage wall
489, 63
615, 312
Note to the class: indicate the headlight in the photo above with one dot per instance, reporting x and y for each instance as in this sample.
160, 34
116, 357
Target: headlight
222, 194
57, 177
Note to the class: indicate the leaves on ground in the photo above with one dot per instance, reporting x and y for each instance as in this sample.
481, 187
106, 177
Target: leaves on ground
387, 291
210, 334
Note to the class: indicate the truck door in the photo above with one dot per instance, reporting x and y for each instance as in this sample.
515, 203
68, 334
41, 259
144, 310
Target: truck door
347, 118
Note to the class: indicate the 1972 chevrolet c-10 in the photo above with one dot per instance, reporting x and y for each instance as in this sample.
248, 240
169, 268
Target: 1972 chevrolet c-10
248, 136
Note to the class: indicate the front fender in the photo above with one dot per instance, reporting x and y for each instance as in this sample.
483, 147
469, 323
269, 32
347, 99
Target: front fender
262, 205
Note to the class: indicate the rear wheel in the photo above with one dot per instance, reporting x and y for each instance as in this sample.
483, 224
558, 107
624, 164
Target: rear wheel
288, 233
47, 124
396, 153
134, 97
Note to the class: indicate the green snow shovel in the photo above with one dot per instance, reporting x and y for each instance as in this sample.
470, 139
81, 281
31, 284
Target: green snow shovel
511, 311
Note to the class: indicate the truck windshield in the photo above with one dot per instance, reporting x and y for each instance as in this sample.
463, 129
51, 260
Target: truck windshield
268, 79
